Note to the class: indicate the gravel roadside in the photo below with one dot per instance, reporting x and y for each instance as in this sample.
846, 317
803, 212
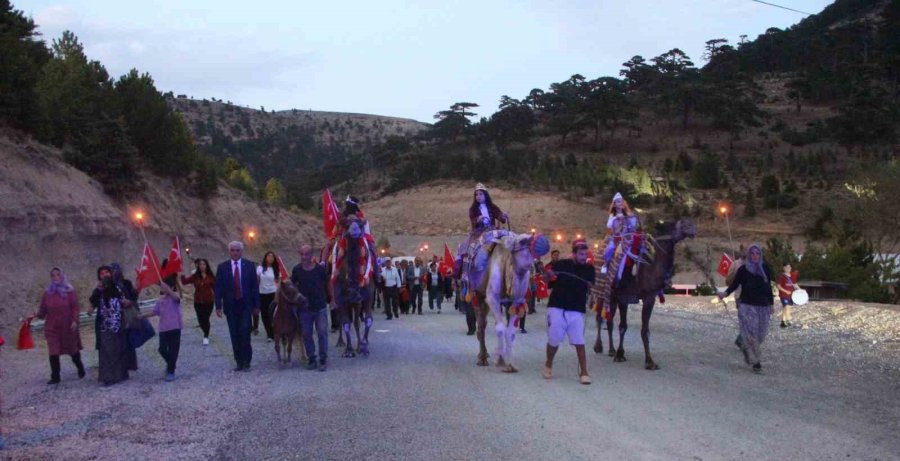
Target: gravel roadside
828, 392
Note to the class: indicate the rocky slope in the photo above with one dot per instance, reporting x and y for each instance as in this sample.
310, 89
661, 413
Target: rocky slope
54, 215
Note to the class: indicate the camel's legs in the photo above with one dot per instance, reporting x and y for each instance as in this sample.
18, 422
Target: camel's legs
598, 345
646, 312
609, 327
623, 327
481, 317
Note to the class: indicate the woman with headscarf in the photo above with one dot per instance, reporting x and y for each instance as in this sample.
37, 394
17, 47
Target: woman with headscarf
130, 295
754, 279
114, 350
59, 309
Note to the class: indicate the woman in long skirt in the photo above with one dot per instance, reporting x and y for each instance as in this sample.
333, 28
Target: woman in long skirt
114, 350
755, 305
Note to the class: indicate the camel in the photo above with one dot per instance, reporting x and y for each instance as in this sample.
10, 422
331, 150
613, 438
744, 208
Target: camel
504, 280
653, 276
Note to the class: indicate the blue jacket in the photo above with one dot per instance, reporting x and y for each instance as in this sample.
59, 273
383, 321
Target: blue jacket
225, 285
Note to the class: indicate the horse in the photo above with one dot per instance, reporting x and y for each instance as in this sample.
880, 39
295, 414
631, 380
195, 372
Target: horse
652, 277
353, 285
285, 322
504, 281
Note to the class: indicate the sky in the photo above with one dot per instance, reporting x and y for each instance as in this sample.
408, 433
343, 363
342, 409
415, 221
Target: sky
406, 59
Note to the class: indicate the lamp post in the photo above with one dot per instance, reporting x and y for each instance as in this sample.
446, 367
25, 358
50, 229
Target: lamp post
139, 216
723, 209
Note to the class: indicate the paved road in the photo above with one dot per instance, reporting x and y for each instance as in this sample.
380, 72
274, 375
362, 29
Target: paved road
420, 396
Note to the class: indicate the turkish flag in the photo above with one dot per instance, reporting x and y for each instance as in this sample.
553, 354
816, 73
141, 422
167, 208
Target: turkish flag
282, 269
725, 265
175, 264
330, 213
448, 258
542, 291
148, 271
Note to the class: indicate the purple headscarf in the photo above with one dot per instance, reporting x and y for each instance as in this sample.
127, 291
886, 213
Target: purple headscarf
63, 288
755, 268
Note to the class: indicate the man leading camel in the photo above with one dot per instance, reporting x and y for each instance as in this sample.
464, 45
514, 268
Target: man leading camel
570, 281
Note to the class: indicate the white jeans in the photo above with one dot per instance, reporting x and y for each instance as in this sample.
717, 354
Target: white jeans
561, 323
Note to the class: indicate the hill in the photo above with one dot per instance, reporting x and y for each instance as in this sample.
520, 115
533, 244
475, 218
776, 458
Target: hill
55, 215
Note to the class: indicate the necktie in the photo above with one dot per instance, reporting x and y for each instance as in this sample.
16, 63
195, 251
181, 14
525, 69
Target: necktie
237, 281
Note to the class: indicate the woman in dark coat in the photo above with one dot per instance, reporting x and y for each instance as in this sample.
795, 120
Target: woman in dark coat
754, 279
59, 309
114, 350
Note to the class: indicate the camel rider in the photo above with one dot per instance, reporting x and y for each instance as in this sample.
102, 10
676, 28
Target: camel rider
621, 228
483, 215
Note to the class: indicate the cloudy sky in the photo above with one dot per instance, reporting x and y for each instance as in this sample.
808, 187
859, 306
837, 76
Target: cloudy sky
391, 57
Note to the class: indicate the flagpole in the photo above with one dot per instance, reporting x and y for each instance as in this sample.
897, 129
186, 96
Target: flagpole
140, 219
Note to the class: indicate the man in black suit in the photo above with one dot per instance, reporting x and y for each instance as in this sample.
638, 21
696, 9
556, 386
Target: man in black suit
237, 294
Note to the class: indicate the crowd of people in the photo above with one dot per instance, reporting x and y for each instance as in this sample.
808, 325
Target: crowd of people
244, 293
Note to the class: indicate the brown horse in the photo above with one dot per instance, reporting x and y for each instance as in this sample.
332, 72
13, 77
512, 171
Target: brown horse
285, 321
504, 280
653, 276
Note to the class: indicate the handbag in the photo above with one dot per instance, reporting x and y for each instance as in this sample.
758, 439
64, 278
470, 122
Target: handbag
131, 318
140, 335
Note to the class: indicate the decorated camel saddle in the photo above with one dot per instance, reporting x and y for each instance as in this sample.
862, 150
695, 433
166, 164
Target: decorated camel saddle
627, 249
475, 256
352, 248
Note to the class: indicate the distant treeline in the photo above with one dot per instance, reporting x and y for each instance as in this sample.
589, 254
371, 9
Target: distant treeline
110, 129
845, 57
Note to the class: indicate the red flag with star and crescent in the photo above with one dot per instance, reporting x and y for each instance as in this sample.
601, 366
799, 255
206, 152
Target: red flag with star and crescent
330, 213
148, 271
725, 265
447, 262
174, 264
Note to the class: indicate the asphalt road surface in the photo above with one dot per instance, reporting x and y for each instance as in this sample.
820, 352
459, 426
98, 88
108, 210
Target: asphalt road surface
420, 396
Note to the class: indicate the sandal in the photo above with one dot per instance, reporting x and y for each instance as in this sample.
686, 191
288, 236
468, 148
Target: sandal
584, 379
548, 372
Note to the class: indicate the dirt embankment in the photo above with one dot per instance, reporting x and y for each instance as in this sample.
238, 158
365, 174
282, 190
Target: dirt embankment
54, 215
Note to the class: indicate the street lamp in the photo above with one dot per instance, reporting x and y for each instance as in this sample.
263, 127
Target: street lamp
139, 217
723, 209
559, 237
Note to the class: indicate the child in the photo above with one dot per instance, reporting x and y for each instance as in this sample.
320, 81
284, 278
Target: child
168, 308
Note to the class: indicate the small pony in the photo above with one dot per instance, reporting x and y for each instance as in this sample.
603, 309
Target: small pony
285, 320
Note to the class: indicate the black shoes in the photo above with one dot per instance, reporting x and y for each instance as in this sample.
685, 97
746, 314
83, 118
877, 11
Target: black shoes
523, 331
757, 367
470, 332
783, 325
53, 381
